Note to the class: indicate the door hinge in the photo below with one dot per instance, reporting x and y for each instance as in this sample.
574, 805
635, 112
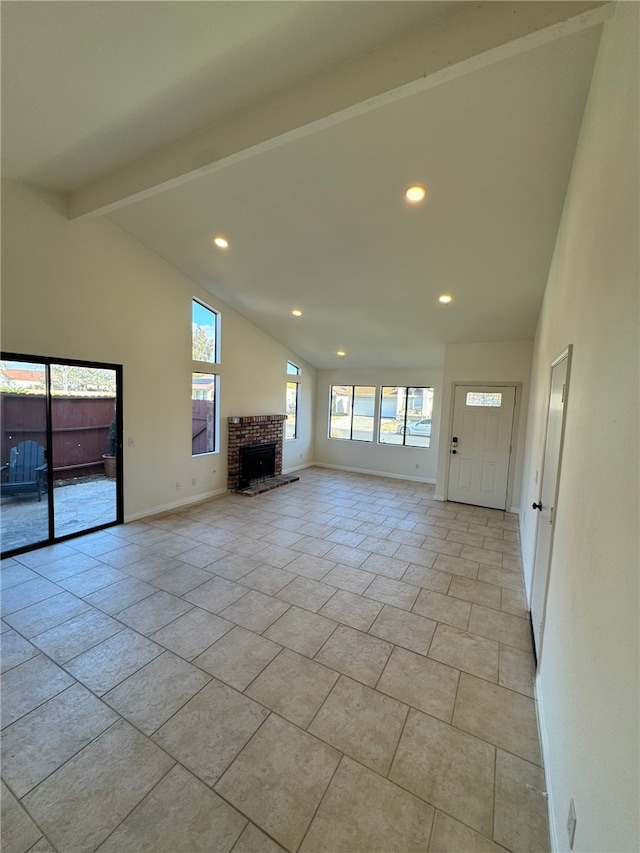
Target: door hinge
563, 389
551, 515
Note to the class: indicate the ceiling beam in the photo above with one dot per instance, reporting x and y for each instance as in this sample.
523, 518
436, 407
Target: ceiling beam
474, 36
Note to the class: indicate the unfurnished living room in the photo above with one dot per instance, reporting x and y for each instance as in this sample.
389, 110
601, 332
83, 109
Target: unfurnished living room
256, 596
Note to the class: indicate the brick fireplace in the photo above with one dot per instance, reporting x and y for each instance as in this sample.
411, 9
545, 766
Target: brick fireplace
253, 431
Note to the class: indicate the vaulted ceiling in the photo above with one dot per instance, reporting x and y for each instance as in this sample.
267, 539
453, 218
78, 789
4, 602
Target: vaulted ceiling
293, 129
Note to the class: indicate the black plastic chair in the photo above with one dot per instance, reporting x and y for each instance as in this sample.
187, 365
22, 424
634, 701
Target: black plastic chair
25, 471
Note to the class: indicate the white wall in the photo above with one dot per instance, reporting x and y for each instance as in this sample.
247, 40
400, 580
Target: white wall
87, 290
588, 690
488, 363
410, 462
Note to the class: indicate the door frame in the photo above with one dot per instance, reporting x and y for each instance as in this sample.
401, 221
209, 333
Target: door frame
47, 361
568, 354
514, 430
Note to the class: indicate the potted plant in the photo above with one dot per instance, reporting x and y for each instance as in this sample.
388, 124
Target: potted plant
110, 457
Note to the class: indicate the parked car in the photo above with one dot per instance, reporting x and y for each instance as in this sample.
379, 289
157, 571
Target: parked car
422, 427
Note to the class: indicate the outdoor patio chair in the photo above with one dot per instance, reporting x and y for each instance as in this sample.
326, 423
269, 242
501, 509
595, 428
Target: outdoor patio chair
25, 471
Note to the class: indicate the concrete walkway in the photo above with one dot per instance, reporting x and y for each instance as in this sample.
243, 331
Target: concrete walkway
78, 506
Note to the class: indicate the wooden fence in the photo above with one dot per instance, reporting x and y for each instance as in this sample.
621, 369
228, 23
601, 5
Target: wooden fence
80, 427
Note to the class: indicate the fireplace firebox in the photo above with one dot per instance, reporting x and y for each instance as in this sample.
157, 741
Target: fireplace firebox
257, 463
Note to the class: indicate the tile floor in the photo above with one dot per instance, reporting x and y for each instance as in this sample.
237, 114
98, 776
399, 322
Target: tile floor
342, 664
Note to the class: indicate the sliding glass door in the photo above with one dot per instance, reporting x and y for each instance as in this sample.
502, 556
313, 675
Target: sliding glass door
60, 434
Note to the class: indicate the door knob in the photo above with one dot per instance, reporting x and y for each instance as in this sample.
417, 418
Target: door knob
454, 451
536, 506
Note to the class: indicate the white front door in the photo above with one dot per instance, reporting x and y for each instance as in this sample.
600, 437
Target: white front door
546, 503
481, 444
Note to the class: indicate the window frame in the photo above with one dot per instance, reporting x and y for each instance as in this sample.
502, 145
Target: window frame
204, 367
404, 432
371, 440
296, 385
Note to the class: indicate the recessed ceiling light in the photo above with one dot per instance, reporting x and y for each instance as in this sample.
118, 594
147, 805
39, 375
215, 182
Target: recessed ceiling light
445, 298
297, 312
415, 193
341, 353
221, 242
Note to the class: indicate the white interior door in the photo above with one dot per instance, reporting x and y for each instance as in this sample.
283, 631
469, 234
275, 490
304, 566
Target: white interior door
481, 444
546, 503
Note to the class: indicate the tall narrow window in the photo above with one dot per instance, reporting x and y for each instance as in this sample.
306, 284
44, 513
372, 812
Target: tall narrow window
405, 416
291, 424
352, 412
205, 330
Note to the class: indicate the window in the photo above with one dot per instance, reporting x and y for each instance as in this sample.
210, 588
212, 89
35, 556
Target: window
203, 413
291, 424
405, 416
493, 400
204, 333
205, 329
293, 369
352, 412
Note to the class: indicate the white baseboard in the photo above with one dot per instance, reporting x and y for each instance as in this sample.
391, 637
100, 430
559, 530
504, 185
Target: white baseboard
156, 510
375, 473
544, 747
439, 498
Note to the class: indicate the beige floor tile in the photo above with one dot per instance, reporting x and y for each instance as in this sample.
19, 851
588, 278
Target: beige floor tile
203, 555
362, 723
482, 556
405, 629
420, 682
521, 821
279, 779
314, 546
38, 743
92, 580
111, 599
346, 537
395, 567
180, 814
450, 769
443, 608
156, 691
80, 804
476, 592
503, 627
253, 840
154, 612
512, 563
457, 566
216, 594
45, 614
75, 636
70, 565
517, 670
233, 566
255, 611
28, 685
363, 813
125, 556
25, 594
384, 547
351, 609
301, 630
293, 686
311, 566
15, 650
209, 731
472, 540
451, 836
501, 577
355, 654
414, 538
18, 833
347, 556
499, 716
181, 580
395, 593
113, 660
238, 657
513, 601
276, 555
428, 578
307, 593
12, 573
268, 579
189, 635
443, 546
348, 578
467, 652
